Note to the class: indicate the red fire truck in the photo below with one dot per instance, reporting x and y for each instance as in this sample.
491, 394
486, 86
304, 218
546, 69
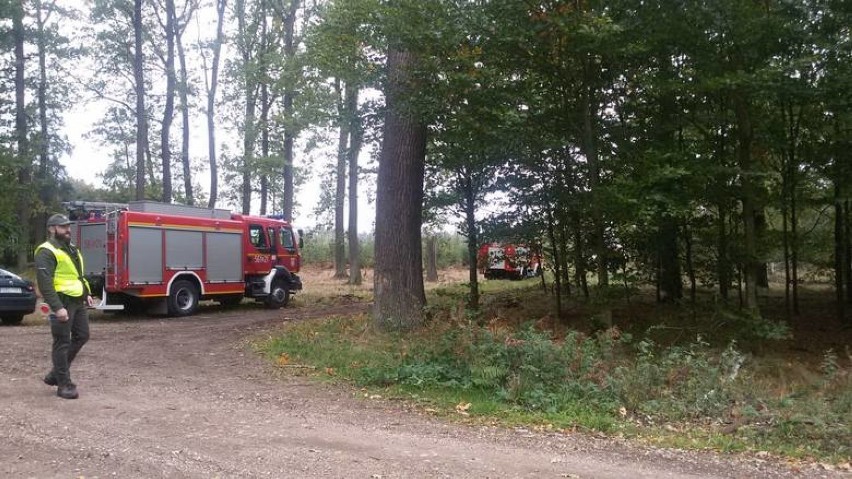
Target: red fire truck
169, 257
508, 261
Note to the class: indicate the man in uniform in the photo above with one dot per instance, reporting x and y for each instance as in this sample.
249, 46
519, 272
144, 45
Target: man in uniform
59, 271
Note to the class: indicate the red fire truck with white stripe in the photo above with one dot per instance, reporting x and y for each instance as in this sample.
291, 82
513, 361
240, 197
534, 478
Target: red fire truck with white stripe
167, 258
508, 261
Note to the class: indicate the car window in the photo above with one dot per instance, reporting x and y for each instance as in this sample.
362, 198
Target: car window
272, 236
256, 236
287, 238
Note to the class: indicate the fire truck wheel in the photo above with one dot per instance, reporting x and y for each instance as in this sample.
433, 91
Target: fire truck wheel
183, 298
279, 295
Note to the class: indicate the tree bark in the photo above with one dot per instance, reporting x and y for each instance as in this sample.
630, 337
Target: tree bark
579, 256
557, 263
169, 109
47, 193
246, 46
839, 248
671, 284
23, 148
398, 278
723, 264
211, 104
590, 150
355, 141
431, 258
690, 265
265, 105
469, 195
141, 118
289, 136
748, 197
340, 184
184, 109
264, 144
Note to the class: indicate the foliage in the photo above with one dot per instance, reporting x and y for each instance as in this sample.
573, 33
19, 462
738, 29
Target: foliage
498, 365
319, 249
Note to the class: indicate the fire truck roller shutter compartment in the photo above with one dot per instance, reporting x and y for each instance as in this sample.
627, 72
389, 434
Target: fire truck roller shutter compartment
223, 265
93, 246
145, 258
184, 249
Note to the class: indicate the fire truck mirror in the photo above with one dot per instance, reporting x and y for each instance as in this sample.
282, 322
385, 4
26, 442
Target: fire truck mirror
301, 241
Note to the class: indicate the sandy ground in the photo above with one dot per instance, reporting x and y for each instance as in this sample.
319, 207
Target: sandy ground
187, 397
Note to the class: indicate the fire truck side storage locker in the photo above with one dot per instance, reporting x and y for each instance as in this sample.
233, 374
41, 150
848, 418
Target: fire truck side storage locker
145, 255
222, 264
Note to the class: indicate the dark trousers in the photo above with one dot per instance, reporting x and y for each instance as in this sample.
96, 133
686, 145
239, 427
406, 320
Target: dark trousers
68, 338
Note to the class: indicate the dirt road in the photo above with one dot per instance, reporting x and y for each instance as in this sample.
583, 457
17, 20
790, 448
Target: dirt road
187, 398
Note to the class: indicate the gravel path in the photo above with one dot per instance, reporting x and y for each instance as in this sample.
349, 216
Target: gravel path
187, 398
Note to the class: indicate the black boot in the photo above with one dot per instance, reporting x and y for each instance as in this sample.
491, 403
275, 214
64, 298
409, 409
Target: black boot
50, 379
67, 391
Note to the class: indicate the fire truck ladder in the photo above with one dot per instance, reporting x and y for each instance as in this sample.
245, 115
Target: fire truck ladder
111, 272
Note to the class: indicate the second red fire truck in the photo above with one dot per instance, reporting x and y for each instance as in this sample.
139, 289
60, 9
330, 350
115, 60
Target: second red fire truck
508, 261
170, 257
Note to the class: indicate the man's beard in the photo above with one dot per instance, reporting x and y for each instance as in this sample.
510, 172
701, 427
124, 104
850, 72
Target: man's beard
63, 237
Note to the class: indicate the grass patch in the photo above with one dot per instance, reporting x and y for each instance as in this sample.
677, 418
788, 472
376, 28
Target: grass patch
659, 374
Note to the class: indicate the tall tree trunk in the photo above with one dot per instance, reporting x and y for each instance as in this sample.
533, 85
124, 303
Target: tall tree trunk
785, 238
579, 256
249, 137
289, 55
355, 140
169, 109
264, 144
45, 174
839, 246
792, 120
557, 263
690, 264
431, 258
23, 152
398, 278
340, 183
563, 257
847, 222
469, 195
671, 284
590, 150
748, 196
184, 109
141, 118
794, 243
211, 104
723, 263
265, 105
247, 47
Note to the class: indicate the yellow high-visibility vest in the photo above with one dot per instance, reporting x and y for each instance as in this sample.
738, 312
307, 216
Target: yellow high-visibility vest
66, 280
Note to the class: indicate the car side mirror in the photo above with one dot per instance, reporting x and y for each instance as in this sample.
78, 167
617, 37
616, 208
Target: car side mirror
301, 241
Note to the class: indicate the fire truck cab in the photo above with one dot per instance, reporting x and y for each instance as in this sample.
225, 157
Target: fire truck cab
168, 257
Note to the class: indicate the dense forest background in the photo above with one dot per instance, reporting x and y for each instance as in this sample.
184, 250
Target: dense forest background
688, 145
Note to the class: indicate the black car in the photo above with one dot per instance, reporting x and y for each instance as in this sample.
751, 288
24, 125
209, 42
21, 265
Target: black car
17, 297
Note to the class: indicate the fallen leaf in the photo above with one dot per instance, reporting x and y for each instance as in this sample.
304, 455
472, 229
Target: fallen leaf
283, 359
329, 371
462, 408
622, 411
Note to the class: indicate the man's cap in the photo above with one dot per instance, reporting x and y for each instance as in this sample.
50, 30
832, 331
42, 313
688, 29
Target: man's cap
58, 220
